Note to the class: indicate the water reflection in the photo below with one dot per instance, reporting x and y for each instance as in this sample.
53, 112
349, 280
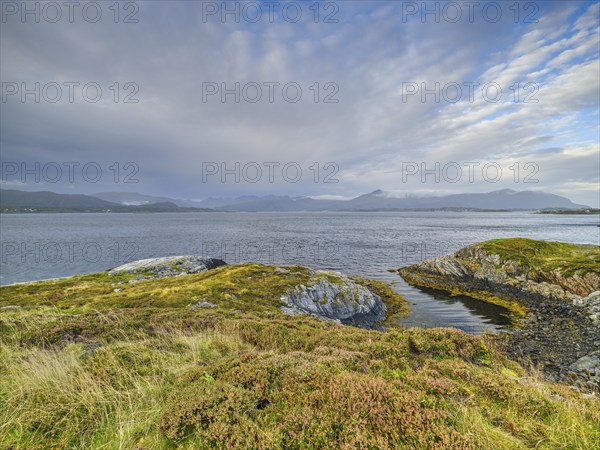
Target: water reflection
432, 308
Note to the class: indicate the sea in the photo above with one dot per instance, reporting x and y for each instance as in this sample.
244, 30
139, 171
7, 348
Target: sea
369, 244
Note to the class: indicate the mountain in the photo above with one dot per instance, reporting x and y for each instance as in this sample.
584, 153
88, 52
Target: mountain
505, 199
131, 198
283, 204
212, 202
12, 200
136, 199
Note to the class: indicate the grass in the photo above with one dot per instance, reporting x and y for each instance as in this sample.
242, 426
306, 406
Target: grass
85, 367
547, 256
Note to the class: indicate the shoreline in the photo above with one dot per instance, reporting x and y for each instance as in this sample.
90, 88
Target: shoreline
556, 324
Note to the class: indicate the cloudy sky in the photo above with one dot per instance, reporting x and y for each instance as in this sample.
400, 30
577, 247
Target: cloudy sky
367, 92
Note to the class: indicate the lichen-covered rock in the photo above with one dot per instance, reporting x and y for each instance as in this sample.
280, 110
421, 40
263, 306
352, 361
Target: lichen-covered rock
335, 297
168, 266
474, 268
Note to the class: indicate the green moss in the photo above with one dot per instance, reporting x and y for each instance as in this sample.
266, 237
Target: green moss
397, 306
251, 286
545, 256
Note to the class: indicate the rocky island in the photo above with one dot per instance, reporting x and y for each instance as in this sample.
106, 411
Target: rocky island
188, 352
552, 289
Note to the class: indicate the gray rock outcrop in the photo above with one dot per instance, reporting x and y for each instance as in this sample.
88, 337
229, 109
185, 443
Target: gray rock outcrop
203, 304
472, 268
168, 266
335, 297
591, 304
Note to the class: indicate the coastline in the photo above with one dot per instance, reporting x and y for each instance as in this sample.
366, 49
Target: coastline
551, 289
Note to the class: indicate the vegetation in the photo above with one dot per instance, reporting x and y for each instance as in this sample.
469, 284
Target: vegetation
83, 366
546, 256
530, 255
254, 287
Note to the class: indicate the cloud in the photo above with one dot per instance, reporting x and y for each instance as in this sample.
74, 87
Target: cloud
366, 56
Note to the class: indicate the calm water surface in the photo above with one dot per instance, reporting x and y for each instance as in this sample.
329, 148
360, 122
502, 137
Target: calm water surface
39, 246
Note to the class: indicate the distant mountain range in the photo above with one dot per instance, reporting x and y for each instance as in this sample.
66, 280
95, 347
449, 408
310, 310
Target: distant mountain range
13, 201
133, 198
506, 199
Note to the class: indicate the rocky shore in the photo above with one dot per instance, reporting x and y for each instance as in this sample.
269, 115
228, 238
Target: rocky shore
552, 290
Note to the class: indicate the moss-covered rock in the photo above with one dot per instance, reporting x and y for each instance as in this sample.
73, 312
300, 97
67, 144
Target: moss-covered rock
334, 296
514, 272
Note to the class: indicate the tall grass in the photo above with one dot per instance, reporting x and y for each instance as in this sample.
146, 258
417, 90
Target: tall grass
269, 382
108, 397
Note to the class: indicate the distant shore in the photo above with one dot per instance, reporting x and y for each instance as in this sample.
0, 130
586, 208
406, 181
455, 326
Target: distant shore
570, 211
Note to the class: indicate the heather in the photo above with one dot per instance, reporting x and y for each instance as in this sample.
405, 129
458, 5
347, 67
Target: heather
90, 363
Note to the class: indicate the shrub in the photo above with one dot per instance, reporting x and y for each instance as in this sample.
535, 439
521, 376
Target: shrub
205, 404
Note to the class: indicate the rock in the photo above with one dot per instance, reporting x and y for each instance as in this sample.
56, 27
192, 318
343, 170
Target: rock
10, 307
335, 297
589, 363
591, 305
117, 290
472, 268
167, 267
201, 305
91, 347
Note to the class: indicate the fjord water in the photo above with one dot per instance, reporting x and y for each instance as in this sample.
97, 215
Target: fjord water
41, 246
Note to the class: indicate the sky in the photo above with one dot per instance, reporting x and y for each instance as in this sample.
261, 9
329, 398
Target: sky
415, 98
